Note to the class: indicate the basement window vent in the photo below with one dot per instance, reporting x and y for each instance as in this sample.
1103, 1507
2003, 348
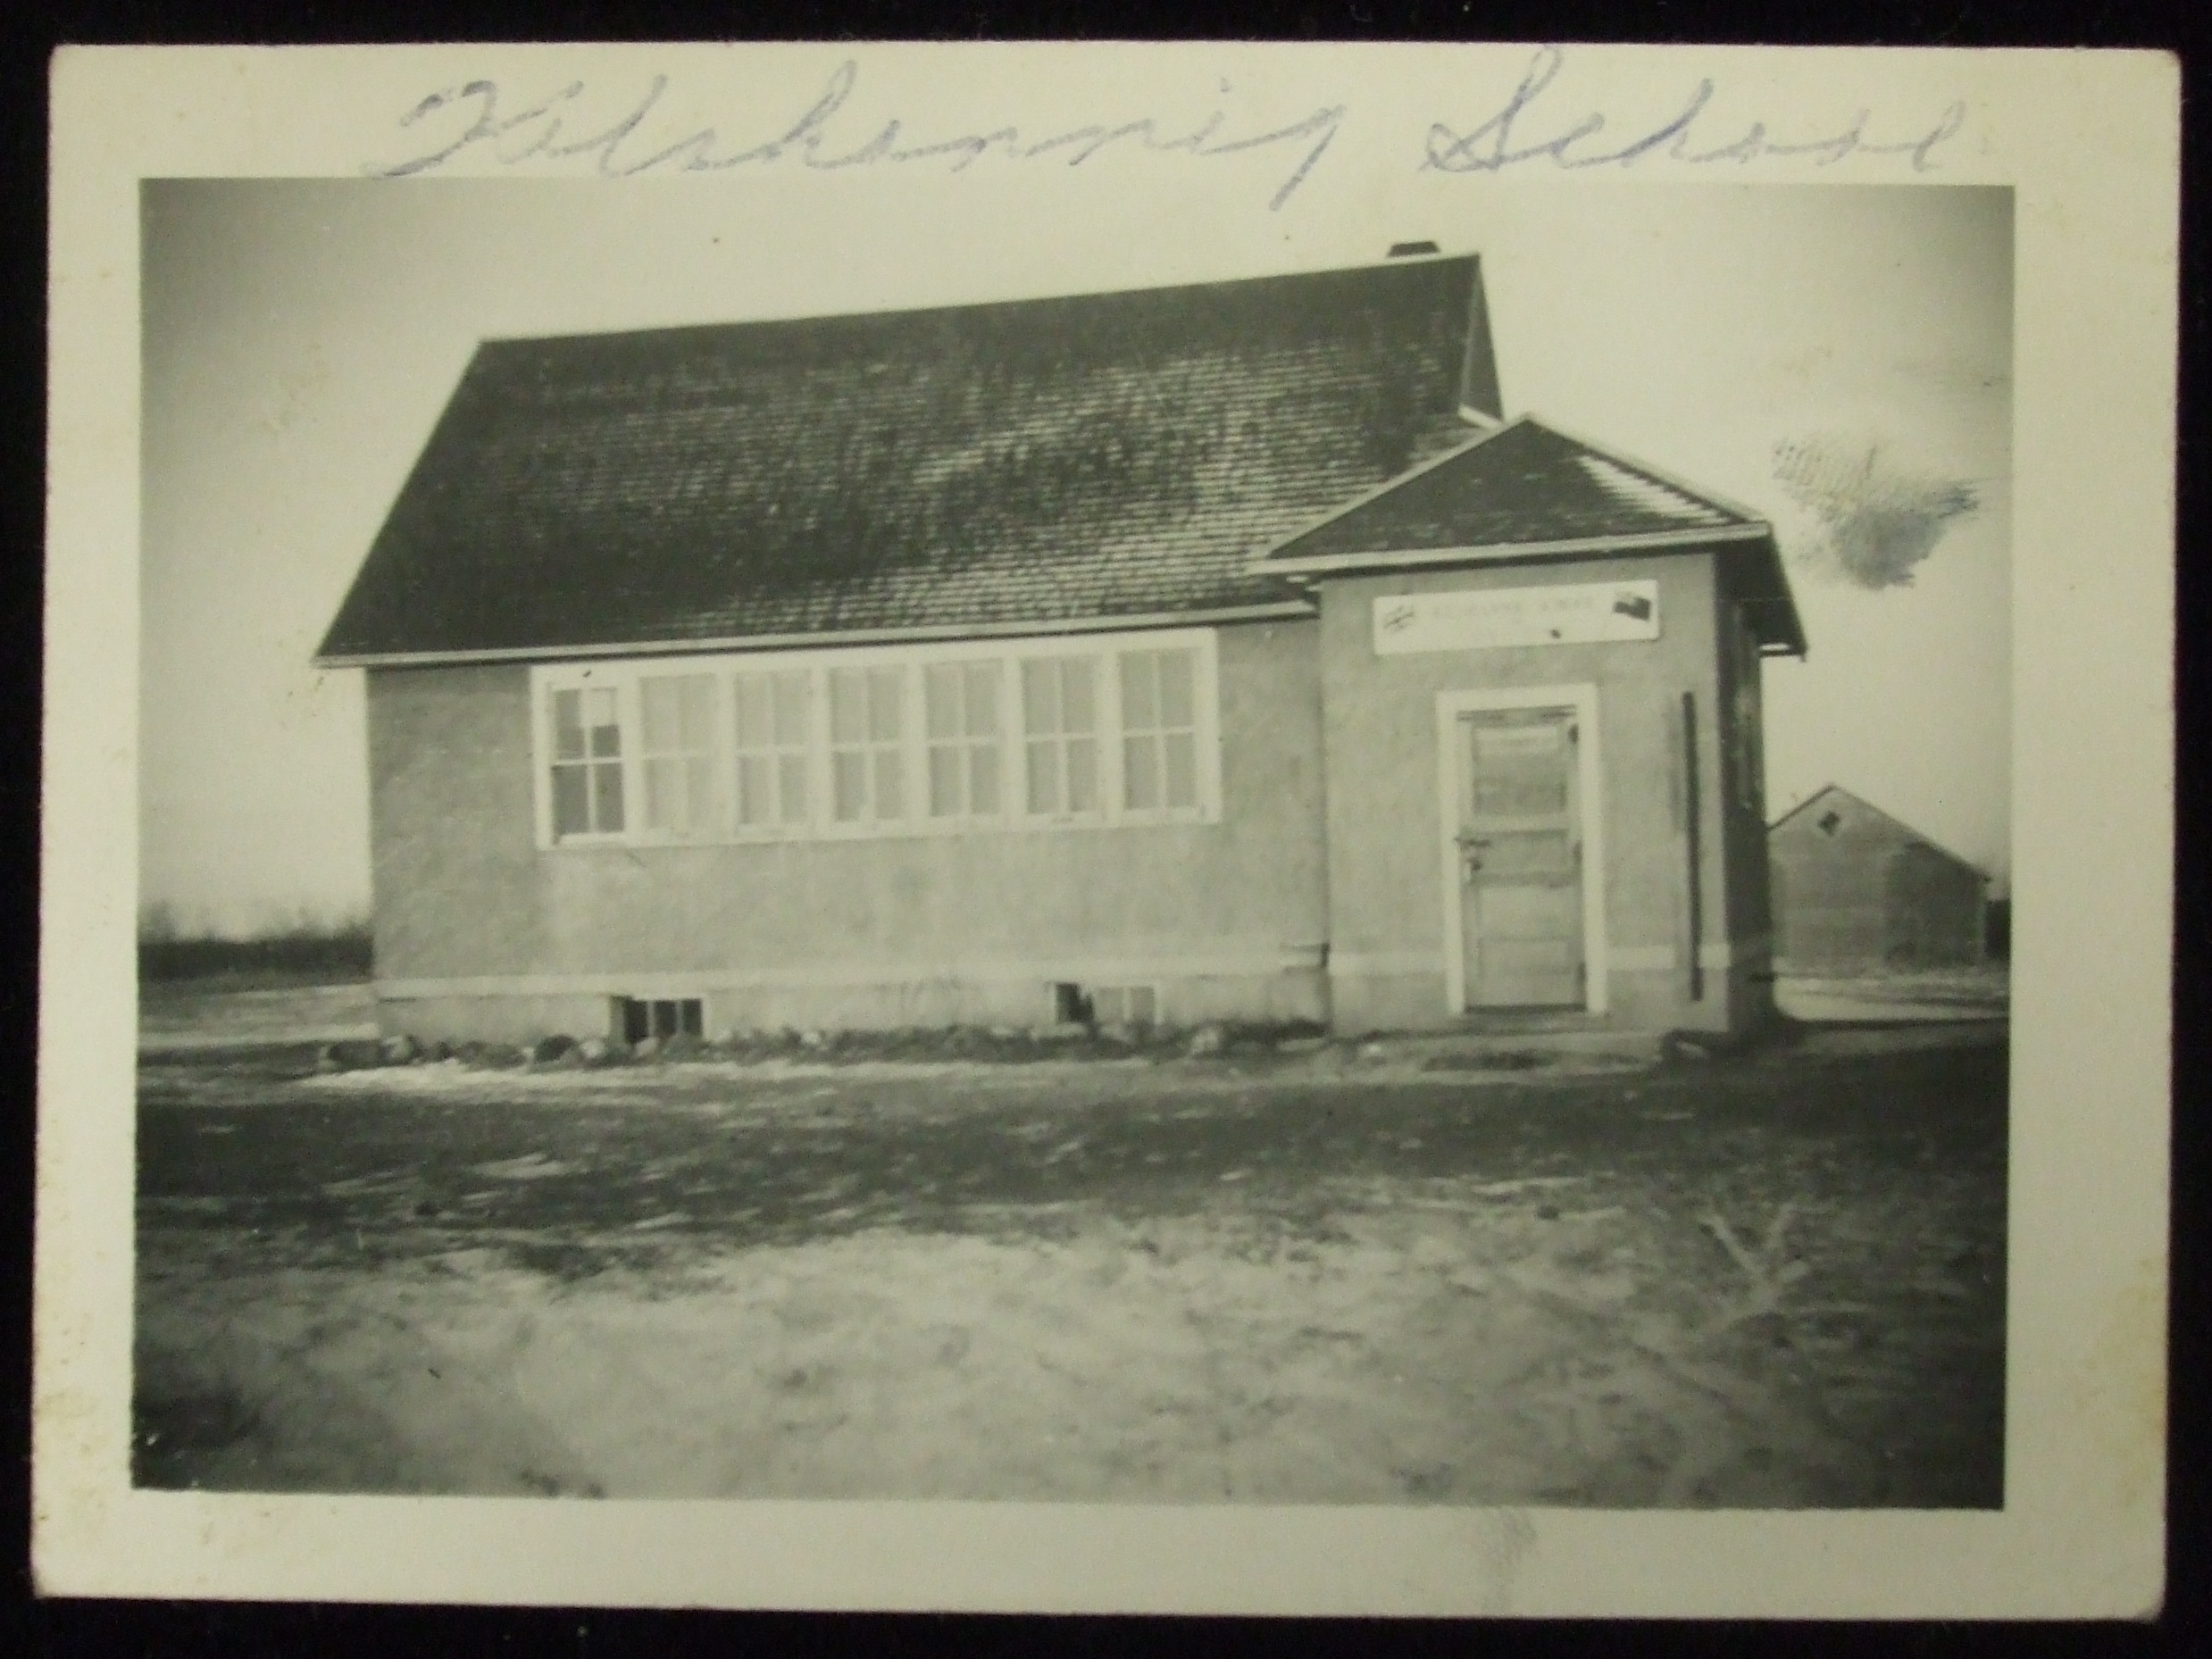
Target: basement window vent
1125, 1004
662, 1018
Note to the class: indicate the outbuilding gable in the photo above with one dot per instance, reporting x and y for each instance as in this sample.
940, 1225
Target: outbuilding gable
1855, 889
1832, 814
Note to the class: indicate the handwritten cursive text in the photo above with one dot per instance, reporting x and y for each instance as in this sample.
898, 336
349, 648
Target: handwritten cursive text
1495, 143
476, 116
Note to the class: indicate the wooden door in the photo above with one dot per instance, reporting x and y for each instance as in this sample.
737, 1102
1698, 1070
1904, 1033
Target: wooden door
1521, 859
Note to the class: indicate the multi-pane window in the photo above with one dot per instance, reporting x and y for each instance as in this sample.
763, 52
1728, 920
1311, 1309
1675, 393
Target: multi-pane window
1060, 733
1159, 730
867, 756
774, 741
677, 713
896, 740
960, 720
586, 762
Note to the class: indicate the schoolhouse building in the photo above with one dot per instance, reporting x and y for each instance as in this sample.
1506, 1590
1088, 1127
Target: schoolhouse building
1219, 651
1857, 891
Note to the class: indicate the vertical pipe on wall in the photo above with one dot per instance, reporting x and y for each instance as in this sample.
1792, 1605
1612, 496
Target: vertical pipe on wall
1692, 811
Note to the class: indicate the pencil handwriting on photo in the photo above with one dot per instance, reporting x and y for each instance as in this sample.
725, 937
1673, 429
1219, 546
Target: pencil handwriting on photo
567, 125
623, 134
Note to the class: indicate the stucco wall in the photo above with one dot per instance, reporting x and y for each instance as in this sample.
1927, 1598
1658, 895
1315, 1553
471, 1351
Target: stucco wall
1388, 930
455, 874
1227, 918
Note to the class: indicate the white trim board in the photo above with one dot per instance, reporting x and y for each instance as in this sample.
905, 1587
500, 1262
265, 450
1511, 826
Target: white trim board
1277, 610
1718, 955
1582, 700
1257, 963
1500, 553
1378, 964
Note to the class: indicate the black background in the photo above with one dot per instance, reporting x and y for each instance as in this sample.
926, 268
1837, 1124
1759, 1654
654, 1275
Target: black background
27, 37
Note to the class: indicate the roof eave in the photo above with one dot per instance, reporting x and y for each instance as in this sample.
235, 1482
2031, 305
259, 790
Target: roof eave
1276, 610
1492, 553
1788, 633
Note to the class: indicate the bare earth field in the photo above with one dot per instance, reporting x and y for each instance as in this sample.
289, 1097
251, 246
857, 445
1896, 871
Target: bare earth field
1942, 994
1776, 1279
195, 1014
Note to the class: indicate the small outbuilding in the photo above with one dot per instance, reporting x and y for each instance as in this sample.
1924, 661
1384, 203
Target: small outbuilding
1223, 652
1857, 891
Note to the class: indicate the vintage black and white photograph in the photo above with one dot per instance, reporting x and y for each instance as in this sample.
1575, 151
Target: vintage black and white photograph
1201, 828
1375, 883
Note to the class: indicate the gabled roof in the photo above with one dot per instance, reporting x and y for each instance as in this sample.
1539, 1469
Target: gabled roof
1032, 463
1830, 790
1526, 490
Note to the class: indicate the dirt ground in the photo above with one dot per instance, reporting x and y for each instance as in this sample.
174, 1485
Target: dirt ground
1980, 992
1772, 1280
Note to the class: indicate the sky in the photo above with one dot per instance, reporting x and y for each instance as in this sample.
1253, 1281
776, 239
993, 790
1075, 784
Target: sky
1836, 357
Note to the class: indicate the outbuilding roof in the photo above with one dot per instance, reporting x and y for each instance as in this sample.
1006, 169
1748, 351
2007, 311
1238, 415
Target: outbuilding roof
1834, 792
1028, 463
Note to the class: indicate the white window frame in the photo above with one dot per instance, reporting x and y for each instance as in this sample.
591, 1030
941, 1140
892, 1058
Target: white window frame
542, 750
964, 745
1201, 697
819, 822
900, 748
1103, 778
784, 825
718, 808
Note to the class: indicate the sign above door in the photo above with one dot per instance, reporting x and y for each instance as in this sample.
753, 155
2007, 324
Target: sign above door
1569, 614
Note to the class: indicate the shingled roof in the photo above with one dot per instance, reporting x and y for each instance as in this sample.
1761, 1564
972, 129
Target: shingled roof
1525, 491
1834, 791
1024, 463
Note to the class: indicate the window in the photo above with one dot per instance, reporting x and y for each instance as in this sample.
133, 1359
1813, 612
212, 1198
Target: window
908, 739
678, 720
586, 762
960, 719
1060, 728
867, 760
774, 740
661, 1019
1124, 1004
1160, 731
